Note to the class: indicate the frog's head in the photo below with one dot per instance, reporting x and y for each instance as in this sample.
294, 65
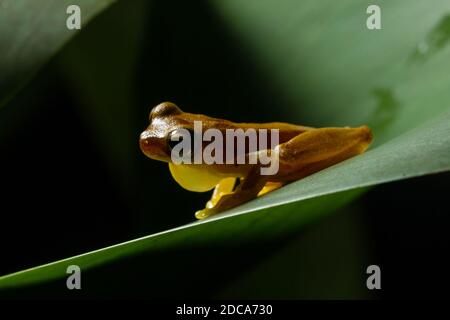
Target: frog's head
155, 141
167, 124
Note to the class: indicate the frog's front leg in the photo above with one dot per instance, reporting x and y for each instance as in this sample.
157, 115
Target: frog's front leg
226, 186
248, 189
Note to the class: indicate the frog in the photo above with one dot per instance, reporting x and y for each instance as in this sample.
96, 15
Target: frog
300, 152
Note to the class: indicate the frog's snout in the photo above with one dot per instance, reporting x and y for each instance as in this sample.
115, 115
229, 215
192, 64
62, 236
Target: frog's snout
144, 142
151, 146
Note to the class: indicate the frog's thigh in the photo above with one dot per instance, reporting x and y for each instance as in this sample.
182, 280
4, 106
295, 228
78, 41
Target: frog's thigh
319, 148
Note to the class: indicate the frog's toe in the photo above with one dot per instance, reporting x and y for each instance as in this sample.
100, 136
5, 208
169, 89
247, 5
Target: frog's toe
207, 212
204, 213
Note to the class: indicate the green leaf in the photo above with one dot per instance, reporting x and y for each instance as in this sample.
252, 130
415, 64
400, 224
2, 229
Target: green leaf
322, 58
33, 31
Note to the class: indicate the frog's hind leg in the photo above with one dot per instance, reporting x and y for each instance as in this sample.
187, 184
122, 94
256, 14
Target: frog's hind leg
318, 149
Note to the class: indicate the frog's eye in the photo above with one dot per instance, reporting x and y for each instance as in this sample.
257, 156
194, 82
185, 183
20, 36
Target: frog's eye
178, 135
164, 109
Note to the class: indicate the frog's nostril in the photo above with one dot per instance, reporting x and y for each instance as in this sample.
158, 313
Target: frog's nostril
144, 143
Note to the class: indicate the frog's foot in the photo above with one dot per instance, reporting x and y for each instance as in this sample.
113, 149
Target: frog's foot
226, 195
211, 206
204, 213
228, 201
270, 186
225, 187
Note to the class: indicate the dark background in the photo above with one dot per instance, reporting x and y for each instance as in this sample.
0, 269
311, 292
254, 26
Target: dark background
71, 185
